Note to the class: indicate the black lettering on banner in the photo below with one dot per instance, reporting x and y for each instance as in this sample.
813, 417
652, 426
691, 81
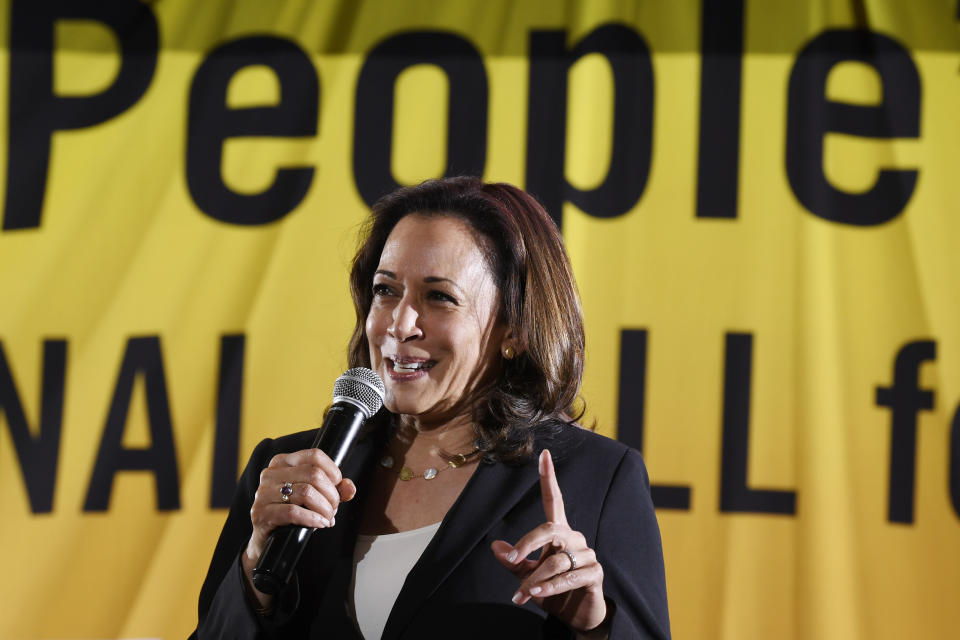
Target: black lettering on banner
144, 359
36, 112
374, 107
550, 63
955, 462
211, 122
905, 399
735, 495
226, 443
631, 412
811, 116
38, 454
718, 160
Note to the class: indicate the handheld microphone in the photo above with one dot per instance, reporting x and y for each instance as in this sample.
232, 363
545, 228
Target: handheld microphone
357, 395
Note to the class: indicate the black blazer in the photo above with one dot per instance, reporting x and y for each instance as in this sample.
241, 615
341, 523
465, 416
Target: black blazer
457, 588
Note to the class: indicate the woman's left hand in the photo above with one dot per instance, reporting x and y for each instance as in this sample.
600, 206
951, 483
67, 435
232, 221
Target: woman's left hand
566, 580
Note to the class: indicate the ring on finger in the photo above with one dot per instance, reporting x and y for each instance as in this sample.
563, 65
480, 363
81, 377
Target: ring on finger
285, 492
573, 559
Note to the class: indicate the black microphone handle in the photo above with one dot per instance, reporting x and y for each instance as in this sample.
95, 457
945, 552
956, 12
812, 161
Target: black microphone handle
286, 544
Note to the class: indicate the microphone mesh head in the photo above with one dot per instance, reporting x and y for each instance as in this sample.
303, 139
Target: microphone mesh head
362, 387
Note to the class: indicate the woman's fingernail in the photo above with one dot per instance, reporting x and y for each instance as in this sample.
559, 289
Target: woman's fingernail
516, 597
333, 522
512, 556
535, 590
324, 522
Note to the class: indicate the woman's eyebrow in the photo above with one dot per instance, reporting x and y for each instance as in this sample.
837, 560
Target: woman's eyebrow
427, 279
431, 279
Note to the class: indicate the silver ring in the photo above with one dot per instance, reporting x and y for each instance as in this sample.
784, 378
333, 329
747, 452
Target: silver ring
573, 560
285, 492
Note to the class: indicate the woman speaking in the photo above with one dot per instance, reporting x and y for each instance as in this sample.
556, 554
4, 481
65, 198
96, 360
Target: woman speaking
474, 506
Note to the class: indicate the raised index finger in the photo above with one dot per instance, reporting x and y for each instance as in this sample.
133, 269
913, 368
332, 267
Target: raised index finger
550, 490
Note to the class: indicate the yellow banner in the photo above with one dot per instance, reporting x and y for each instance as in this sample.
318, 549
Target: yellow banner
759, 200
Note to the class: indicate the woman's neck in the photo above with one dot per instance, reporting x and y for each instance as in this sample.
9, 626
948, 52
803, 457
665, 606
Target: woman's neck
413, 437
398, 503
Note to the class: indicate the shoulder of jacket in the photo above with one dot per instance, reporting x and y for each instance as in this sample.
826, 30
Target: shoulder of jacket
574, 438
574, 447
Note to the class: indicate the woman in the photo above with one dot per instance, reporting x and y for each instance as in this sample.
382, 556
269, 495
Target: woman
480, 508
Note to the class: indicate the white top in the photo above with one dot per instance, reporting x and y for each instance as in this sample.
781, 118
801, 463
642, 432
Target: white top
380, 566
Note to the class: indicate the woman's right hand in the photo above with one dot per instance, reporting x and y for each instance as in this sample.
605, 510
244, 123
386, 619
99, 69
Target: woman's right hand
317, 489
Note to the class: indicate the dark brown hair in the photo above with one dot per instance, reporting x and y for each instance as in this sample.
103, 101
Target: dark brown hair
536, 390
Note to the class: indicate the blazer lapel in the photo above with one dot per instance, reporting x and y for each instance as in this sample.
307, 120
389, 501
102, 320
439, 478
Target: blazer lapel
489, 495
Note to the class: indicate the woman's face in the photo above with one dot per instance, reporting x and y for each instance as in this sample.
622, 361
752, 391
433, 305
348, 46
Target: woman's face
432, 326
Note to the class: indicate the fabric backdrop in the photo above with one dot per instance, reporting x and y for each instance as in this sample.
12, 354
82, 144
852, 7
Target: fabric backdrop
759, 200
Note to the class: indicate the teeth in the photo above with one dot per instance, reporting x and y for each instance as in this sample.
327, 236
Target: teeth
410, 366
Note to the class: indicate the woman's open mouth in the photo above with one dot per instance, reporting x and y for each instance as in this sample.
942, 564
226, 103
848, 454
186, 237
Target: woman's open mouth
405, 366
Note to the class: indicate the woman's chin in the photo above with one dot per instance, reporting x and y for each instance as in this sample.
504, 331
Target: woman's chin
401, 405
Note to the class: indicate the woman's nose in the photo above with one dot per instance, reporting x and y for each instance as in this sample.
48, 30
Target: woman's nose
406, 323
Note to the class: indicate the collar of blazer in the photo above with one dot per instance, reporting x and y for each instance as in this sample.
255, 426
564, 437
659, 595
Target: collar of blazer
489, 494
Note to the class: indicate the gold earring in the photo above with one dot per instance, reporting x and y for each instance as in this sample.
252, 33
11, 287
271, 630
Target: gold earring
508, 353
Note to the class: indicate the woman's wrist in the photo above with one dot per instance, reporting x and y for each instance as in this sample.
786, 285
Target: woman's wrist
602, 630
261, 602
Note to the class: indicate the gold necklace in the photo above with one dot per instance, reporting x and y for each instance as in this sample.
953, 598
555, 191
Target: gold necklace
406, 473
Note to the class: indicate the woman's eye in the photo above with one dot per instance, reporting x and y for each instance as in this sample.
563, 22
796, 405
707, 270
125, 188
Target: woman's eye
443, 297
381, 290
